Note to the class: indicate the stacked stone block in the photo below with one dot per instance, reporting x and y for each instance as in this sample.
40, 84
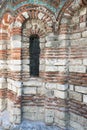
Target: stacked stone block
78, 68
59, 95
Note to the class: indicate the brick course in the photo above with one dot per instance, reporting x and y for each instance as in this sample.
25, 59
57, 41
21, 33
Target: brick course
58, 96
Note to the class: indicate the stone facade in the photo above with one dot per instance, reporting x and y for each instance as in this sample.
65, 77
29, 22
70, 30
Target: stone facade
59, 95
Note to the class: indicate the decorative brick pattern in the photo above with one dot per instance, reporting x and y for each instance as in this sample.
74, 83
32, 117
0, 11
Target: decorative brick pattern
59, 95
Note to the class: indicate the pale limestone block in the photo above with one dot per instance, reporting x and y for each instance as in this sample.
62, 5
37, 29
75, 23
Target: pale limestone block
2, 79
30, 109
61, 68
71, 87
33, 82
18, 84
51, 68
26, 61
42, 40
62, 87
49, 116
61, 123
75, 68
15, 37
49, 119
60, 62
14, 67
42, 61
83, 25
81, 89
75, 19
16, 44
50, 23
83, 11
16, 111
29, 90
51, 86
25, 14
30, 116
41, 90
85, 98
51, 61
75, 95
76, 125
40, 15
51, 44
3, 85
60, 94
18, 119
25, 68
14, 62
64, 20
41, 67
51, 37
84, 34
19, 91
3, 103
75, 61
75, 36
9, 86
85, 62
17, 24
63, 37
62, 115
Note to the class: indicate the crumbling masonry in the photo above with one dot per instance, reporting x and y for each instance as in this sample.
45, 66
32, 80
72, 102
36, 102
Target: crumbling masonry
57, 94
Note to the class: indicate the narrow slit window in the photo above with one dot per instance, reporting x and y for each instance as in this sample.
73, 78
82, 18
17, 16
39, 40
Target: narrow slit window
34, 50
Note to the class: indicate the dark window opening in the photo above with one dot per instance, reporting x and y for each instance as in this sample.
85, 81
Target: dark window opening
34, 50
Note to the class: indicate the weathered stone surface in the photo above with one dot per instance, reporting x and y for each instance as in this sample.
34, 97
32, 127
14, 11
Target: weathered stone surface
75, 95
85, 98
76, 68
81, 89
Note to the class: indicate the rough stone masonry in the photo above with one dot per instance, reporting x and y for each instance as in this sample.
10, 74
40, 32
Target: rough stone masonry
58, 94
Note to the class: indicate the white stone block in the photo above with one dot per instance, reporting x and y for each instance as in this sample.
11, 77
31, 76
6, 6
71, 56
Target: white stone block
26, 61
75, 61
85, 62
62, 87
81, 89
17, 24
75, 36
83, 11
51, 86
85, 98
3, 104
51, 68
40, 15
14, 67
71, 87
51, 61
29, 90
81, 69
63, 37
25, 14
16, 44
61, 68
83, 25
60, 94
84, 34
33, 82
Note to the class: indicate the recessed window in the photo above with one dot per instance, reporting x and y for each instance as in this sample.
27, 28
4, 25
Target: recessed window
34, 50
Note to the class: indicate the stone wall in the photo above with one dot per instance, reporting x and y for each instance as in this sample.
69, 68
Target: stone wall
59, 95
78, 70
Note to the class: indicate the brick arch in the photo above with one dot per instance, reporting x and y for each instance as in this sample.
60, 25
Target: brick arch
70, 8
33, 15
